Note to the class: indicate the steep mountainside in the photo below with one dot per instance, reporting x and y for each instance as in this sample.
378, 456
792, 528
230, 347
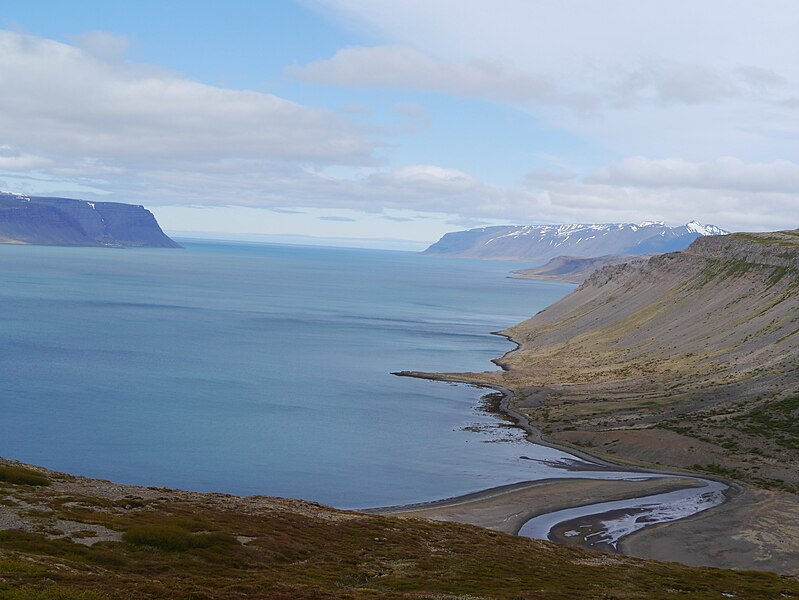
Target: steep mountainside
688, 360
540, 243
69, 222
702, 344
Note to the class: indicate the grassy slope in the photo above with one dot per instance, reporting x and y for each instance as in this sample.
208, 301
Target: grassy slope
184, 545
689, 360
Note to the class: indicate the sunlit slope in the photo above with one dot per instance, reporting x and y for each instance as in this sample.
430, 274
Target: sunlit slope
700, 344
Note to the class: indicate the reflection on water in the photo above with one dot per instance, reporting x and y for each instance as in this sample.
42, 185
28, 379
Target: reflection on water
609, 522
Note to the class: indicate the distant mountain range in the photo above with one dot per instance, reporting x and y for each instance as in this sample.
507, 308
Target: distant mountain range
50, 221
541, 243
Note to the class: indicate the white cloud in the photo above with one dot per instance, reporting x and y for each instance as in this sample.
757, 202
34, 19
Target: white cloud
12, 160
91, 121
70, 105
402, 67
652, 82
691, 78
722, 174
103, 44
570, 35
631, 190
727, 192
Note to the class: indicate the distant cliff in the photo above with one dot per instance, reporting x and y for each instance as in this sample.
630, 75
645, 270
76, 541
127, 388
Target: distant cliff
68, 222
541, 243
575, 269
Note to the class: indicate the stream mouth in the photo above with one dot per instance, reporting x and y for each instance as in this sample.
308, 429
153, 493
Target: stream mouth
602, 526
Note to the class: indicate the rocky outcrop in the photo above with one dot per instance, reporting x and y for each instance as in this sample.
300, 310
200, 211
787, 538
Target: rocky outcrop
776, 248
70, 222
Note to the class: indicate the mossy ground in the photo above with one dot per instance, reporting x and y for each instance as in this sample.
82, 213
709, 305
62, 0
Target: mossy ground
22, 475
195, 546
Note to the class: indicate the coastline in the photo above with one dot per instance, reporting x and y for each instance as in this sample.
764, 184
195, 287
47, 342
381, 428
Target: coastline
484, 500
765, 536
533, 435
752, 528
507, 508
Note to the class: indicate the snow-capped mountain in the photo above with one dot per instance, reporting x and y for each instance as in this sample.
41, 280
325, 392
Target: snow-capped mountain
541, 243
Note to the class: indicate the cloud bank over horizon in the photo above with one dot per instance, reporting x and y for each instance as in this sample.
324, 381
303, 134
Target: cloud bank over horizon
688, 113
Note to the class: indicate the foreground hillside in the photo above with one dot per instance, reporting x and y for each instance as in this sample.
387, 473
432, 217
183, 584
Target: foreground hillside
66, 538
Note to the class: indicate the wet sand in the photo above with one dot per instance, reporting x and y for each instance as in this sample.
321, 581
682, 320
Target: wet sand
752, 529
587, 531
507, 508
755, 529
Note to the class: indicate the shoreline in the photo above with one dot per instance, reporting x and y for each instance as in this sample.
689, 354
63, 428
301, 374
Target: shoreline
509, 507
741, 532
535, 436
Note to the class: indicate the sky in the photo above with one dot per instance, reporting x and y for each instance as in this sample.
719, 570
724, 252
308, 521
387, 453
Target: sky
387, 124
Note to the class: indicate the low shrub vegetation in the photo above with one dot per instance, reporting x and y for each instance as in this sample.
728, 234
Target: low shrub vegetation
22, 476
173, 538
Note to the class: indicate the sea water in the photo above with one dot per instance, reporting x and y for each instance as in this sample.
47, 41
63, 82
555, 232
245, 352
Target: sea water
261, 369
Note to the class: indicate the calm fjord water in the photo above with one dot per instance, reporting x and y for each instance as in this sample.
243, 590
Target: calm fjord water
258, 369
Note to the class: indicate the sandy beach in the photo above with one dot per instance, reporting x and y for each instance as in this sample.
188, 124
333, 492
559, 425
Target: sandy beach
507, 508
734, 534
755, 529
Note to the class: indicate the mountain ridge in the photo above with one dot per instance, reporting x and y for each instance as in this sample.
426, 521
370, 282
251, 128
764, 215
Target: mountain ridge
541, 243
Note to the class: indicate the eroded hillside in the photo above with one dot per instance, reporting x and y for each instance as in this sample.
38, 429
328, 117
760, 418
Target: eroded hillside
690, 359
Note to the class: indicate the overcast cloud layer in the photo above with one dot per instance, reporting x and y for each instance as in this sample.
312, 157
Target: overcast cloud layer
695, 104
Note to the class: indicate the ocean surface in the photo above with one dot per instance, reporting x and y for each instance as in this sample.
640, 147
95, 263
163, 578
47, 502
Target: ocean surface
261, 369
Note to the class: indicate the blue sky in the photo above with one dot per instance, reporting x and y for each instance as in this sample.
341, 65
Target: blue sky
388, 123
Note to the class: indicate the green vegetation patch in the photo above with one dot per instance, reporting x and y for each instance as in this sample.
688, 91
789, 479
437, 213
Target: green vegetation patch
733, 267
777, 275
173, 538
775, 421
22, 476
782, 238
20, 568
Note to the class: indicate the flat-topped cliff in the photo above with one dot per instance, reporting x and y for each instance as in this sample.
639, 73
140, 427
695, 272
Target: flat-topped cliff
70, 222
